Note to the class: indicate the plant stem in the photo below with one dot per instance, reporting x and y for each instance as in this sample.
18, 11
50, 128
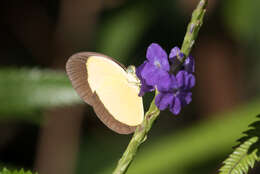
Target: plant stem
193, 28
138, 138
141, 132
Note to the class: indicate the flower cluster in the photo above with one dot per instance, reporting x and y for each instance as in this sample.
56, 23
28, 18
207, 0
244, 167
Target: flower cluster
157, 73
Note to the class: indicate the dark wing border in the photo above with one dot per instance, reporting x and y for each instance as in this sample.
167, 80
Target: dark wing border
77, 72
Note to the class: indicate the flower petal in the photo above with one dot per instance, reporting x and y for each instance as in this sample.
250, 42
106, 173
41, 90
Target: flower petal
158, 57
185, 80
174, 83
181, 79
163, 100
164, 81
167, 83
189, 64
139, 70
188, 98
174, 52
148, 73
185, 97
145, 88
176, 106
156, 77
190, 81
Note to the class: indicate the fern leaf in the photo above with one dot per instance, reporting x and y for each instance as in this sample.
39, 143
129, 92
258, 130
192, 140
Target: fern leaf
245, 154
240, 160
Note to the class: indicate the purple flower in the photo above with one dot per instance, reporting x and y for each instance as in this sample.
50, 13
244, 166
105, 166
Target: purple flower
175, 52
156, 69
185, 80
154, 73
144, 87
179, 93
188, 65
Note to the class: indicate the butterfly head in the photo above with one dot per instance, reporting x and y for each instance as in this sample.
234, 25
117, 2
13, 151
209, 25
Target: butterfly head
131, 76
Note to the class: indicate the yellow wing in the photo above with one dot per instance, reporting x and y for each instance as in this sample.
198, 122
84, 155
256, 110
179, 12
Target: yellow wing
109, 81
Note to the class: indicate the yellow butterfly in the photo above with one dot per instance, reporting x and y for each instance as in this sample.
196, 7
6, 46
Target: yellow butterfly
110, 88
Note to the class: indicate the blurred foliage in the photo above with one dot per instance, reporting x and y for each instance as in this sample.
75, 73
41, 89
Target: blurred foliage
6, 171
26, 91
242, 19
121, 32
180, 152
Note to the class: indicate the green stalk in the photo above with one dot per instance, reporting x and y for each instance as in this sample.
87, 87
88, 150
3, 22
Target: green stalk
151, 115
138, 138
193, 28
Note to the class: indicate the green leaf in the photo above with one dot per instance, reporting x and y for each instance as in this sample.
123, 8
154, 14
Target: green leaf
241, 160
6, 171
25, 91
246, 154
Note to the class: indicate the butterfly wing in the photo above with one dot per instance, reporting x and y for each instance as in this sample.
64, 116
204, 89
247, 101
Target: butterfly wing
102, 82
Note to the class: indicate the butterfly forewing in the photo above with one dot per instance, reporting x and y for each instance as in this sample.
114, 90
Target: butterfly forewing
102, 82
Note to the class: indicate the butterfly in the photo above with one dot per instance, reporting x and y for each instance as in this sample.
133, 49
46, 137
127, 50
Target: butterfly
110, 88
